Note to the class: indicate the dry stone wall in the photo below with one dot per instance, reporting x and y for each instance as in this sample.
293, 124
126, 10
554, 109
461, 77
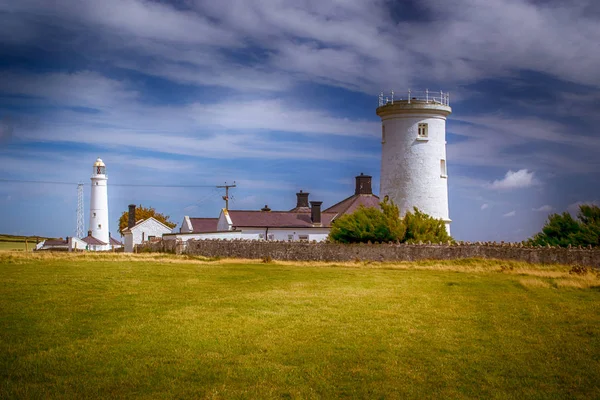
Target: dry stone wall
297, 251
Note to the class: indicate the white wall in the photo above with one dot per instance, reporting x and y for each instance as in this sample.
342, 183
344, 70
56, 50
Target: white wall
128, 242
280, 234
99, 208
142, 231
76, 244
410, 168
227, 235
224, 223
186, 225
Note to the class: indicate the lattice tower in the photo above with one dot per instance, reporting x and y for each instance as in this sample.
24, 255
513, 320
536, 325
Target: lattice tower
80, 223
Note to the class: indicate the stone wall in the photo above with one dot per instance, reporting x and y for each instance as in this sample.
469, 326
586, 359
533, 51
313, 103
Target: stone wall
298, 251
159, 246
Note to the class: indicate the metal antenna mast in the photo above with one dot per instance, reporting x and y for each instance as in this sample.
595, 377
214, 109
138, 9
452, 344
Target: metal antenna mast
80, 223
226, 197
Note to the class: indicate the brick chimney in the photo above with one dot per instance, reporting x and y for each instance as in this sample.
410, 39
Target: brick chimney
315, 211
302, 199
131, 220
363, 184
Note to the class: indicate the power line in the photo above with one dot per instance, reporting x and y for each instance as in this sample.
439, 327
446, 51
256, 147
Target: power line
112, 184
226, 197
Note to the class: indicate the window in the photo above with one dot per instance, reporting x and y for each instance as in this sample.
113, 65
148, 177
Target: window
261, 236
271, 236
151, 237
96, 183
423, 131
99, 226
303, 238
382, 133
290, 238
443, 171
94, 215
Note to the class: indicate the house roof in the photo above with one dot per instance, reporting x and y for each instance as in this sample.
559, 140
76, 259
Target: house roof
141, 221
55, 242
92, 240
352, 203
115, 242
203, 225
276, 219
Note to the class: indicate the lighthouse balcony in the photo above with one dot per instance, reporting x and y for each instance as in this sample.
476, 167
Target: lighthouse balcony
415, 96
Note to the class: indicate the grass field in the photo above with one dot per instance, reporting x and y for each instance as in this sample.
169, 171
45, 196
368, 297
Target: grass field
18, 246
157, 326
12, 242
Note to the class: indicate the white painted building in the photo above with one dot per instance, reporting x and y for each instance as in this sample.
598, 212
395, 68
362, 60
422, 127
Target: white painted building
99, 203
143, 230
413, 157
75, 244
305, 222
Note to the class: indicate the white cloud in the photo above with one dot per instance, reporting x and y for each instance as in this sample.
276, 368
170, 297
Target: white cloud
510, 214
544, 208
484, 206
514, 180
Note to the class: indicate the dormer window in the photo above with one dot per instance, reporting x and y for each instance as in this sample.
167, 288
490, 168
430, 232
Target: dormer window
423, 131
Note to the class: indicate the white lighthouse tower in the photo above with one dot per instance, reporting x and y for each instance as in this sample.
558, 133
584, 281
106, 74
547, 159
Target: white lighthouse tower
99, 203
413, 159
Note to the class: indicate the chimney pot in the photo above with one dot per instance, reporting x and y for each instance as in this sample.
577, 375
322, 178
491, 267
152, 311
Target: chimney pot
315, 211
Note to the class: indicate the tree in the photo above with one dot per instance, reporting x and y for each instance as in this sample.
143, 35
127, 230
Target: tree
421, 227
385, 224
564, 230
369, 224
142, 212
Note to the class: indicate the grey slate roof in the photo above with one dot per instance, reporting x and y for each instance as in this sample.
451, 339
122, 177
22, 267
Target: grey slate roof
276, 219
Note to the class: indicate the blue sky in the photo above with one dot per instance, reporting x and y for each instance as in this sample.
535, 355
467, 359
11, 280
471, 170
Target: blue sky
280, 95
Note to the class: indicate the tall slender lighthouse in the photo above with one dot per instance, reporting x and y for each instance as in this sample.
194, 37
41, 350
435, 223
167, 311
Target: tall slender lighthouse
99, 203
413, 159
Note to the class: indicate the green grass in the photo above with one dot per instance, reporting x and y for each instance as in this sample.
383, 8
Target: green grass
17, 243
15, 246
146, 326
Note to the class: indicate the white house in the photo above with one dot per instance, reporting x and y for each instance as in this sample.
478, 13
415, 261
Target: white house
305, 222
141, 231
74, 244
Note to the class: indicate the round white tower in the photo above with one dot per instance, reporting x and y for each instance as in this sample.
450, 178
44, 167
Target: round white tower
99, 202
413, 159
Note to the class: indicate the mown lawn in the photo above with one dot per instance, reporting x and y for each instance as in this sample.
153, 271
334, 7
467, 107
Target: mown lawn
144, 326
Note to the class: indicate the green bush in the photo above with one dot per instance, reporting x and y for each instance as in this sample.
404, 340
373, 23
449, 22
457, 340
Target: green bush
421, 227
564, 230
385, 225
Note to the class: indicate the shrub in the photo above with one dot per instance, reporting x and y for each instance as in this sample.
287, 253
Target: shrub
384, 225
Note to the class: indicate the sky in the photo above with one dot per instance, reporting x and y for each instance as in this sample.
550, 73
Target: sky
280, 95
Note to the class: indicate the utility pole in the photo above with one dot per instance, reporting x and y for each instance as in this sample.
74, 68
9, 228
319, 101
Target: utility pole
226, 197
